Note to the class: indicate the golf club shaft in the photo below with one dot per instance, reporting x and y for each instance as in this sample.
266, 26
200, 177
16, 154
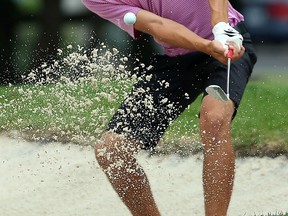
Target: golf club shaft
228, 76
229, 56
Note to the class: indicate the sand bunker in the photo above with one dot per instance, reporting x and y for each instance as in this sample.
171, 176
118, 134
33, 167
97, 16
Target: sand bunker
56, 179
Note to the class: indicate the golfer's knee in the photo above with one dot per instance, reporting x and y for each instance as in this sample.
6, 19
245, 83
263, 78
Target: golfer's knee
106, 150
214, 120
112, 149
215, 115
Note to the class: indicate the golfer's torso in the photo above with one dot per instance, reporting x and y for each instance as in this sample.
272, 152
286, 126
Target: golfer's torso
194, 14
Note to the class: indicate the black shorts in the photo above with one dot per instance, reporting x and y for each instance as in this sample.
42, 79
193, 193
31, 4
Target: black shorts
165, 91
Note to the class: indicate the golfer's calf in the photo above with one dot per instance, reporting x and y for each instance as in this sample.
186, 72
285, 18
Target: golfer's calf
115, 155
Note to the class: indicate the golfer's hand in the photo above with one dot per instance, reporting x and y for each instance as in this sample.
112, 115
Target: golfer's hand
220, 53
227, 36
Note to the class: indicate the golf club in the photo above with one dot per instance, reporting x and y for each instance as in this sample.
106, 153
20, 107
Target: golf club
216, 91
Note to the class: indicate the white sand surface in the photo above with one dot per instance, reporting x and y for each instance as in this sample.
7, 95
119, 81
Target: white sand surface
65, 180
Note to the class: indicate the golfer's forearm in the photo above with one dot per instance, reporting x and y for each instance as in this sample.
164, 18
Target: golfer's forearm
170, 32
219, 11
179, 36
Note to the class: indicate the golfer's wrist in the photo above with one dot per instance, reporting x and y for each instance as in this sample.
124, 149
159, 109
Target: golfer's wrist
206, 47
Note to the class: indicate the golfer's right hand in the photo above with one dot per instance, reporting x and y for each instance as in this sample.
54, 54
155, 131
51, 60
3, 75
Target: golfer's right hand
227, 35
217, 51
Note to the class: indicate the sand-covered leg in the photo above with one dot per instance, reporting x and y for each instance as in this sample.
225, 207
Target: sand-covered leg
219, 160
115, 155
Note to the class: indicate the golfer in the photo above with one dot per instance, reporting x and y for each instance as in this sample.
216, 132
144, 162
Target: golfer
195, 37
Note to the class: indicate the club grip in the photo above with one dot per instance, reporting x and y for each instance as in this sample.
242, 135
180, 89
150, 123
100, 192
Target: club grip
230, 53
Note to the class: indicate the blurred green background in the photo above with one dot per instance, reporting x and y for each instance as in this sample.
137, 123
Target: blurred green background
33, 30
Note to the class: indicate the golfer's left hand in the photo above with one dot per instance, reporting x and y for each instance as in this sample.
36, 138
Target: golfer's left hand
223, 32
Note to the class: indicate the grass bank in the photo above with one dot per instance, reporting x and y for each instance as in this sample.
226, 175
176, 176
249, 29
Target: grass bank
79, 112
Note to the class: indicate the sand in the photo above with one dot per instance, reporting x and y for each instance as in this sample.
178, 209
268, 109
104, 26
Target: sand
65, 180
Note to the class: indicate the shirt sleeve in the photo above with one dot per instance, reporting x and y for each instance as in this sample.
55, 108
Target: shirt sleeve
234, 16
114, 13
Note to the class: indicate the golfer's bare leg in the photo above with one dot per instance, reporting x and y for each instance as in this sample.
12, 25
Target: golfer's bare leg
219, 159
115, 155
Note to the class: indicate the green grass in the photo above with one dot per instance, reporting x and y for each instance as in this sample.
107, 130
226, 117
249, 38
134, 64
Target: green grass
80, 110
262, 119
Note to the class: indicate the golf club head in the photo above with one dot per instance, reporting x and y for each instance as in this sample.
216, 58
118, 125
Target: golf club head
217, 92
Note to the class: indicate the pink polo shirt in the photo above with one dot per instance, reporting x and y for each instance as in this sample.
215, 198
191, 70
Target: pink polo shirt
194, 14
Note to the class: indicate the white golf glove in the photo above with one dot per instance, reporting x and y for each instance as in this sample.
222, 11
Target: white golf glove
224, 33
